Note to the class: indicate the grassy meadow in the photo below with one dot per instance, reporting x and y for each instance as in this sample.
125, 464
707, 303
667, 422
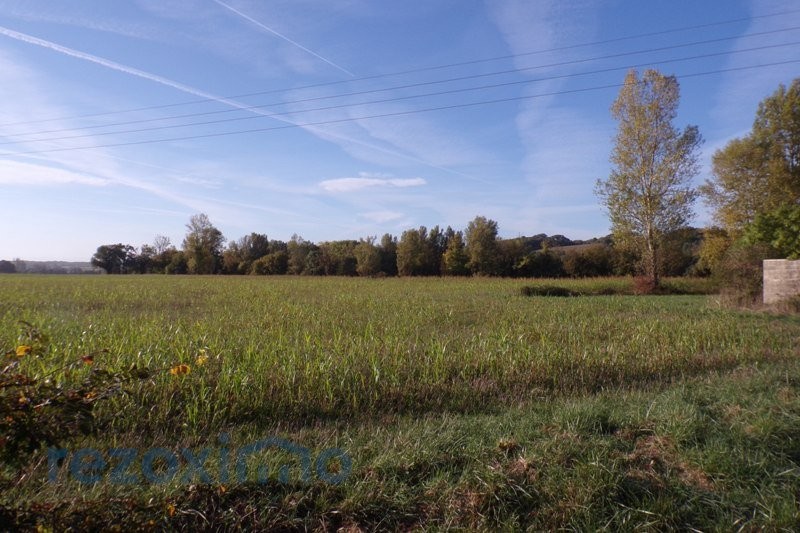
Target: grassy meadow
463, 403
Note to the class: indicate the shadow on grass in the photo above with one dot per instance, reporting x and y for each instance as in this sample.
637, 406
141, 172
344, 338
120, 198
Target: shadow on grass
667, 288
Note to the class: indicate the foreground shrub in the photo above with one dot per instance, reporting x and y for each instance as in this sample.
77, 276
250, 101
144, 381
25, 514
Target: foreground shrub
590, 262
716, 242
740, 274
547, 290
541, 264
48, 409
780, 229
789, 306
643, 285
276, 263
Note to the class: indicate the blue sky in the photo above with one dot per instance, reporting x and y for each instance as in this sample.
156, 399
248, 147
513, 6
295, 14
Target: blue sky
77, 69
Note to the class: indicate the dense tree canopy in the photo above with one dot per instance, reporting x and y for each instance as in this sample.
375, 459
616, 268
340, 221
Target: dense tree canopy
299, 251
760, 172
455, 258
202, 245
388, 251
368, 257
412, 253
482, 248
7, 267
240, 255
114, 258
418, 253
780, 229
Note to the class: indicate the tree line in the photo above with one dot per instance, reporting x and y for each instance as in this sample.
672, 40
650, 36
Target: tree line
754, 193
417, 252
45, 267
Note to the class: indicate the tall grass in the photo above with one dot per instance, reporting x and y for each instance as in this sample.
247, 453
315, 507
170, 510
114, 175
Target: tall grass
289, 349
464, 403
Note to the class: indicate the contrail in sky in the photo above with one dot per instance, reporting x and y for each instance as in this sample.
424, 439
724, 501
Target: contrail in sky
285, 38
202, 94
111, 64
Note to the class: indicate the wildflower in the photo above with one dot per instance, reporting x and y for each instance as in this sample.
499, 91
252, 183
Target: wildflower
23, 350
180, 370
171, 509
90, 395
201, 359
87, 359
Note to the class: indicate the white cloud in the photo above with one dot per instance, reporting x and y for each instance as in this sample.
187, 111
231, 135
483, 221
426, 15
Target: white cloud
113, 65
19, 173
391, 137
425, 137
552, 163
23, 86
328, 134
550, 132
382, 217
365, 181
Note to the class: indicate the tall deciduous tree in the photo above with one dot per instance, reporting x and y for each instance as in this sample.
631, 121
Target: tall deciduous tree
388, 251
760, 172
418, 252
298, 250
412, 253
436, 245
202, 245
482, 247
368, 257
455, 258
337, 259
240, 255
649, 192
163, 252
162, 244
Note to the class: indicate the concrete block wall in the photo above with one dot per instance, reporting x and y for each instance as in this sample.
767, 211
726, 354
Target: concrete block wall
781, 280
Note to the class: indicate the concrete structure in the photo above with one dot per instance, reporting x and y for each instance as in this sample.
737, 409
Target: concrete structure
781, 280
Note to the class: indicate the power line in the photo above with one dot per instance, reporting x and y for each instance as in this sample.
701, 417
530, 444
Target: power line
418, 70
385, 115
386, 89
395, 99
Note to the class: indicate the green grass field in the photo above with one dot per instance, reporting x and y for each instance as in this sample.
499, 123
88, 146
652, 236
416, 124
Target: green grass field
462, 402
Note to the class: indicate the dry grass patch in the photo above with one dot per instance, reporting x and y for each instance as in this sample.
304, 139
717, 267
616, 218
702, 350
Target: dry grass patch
655, 460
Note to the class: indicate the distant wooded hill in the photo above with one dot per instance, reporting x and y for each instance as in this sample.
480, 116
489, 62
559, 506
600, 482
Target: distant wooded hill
48, 267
